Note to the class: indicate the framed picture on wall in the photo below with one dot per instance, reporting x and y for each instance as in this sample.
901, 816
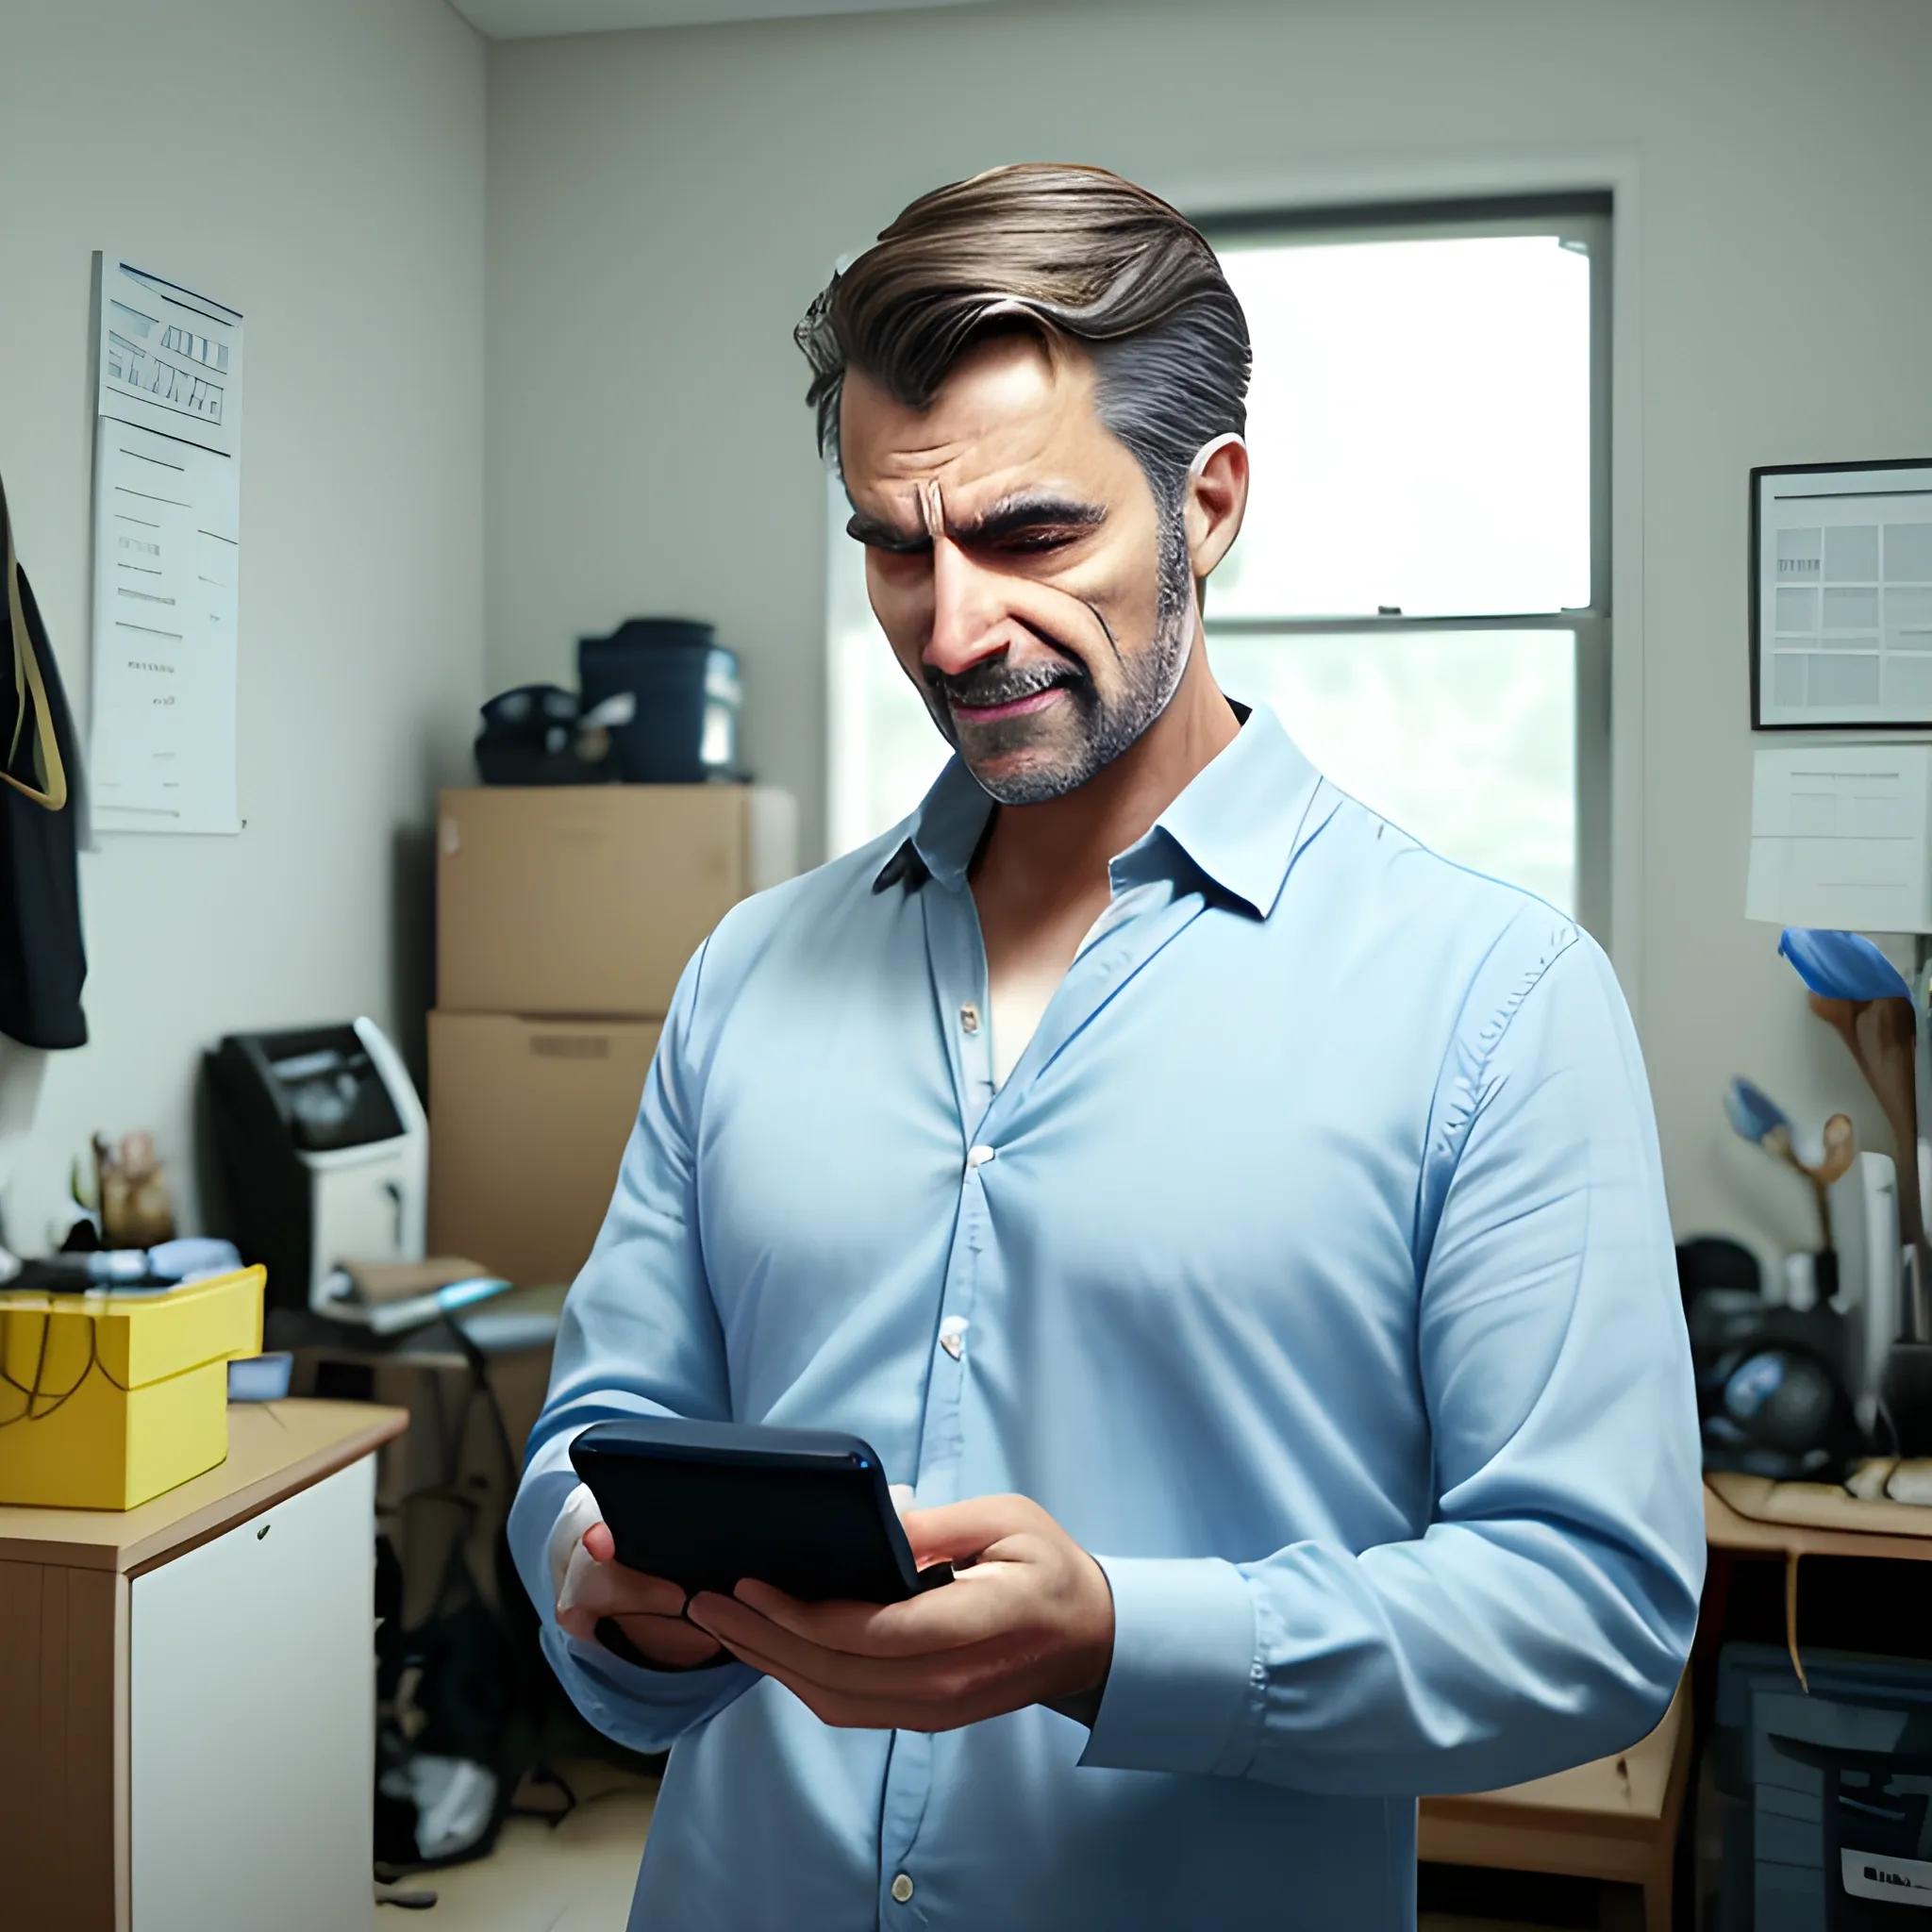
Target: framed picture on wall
1841, 596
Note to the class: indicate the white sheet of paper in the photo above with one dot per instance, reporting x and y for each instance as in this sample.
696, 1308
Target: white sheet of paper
168, 541
1845, 597
167, 557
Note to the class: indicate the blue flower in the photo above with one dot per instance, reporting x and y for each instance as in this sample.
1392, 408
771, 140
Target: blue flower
1751, 1112
1841, 966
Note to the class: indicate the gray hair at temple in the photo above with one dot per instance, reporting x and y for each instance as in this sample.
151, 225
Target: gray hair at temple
1070, 253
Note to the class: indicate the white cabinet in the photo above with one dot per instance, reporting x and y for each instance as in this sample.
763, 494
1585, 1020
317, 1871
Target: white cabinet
250, 1724
187, 1691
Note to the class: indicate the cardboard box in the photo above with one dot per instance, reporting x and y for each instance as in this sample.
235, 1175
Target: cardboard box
112, 1399
590, 899
527, 1123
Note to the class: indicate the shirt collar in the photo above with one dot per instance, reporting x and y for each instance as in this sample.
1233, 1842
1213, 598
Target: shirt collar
1240, 821
945, 833
1245, 815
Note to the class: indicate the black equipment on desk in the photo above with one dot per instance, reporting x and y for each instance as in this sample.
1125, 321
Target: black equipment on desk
324, 1148
1875, 1817
1771, 1394
684, 729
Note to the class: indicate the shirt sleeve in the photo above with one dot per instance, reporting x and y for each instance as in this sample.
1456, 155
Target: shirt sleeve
1543, 1617
639, 1337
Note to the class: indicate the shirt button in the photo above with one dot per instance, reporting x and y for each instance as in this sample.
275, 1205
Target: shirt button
902, 1888
968, 1018
978, 1156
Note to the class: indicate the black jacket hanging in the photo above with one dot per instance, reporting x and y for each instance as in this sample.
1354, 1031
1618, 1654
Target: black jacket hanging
42, 960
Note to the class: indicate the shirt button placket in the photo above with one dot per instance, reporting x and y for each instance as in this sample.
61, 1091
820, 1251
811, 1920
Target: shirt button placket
908, 1772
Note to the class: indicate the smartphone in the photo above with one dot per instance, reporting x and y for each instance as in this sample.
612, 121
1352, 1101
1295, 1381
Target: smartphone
705, 1505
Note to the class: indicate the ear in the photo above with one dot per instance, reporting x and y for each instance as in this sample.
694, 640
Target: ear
1216, 501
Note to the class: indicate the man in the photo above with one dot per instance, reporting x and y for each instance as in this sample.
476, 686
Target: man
1243, 1228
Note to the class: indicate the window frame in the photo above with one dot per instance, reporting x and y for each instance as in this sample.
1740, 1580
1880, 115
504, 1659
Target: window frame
1586, 216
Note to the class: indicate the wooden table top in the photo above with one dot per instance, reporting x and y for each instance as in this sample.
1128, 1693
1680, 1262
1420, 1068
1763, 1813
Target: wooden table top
1755, 1514
274, 1449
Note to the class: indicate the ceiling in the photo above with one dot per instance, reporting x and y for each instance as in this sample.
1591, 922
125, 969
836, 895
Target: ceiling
519, 20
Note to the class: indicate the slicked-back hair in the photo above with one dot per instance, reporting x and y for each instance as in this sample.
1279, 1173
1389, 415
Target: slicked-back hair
1069, 252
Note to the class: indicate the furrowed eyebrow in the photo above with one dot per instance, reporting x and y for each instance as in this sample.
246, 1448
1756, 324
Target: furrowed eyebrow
1013, 516
876, 534
1010, 517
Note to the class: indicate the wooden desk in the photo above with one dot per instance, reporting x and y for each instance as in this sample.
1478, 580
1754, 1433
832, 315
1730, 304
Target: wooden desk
1752, 1514
186, 1692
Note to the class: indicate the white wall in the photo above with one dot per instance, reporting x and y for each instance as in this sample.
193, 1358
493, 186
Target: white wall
319, 165
662, 206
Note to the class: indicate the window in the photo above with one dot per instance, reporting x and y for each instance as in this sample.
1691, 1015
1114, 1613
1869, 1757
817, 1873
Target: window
1420, 591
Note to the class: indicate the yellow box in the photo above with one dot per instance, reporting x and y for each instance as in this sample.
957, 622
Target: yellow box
108, 1400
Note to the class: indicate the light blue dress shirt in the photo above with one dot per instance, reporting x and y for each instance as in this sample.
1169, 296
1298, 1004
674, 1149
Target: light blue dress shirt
1311, 1268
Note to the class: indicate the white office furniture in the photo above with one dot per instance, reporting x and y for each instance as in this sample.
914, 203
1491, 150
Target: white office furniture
187, 1696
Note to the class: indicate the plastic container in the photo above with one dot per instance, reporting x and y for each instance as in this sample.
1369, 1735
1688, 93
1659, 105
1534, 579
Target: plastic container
130, 1392
261, 1377
685, 729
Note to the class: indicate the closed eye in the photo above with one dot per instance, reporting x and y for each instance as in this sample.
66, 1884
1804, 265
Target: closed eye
875, 534
1039, 541
1022, 525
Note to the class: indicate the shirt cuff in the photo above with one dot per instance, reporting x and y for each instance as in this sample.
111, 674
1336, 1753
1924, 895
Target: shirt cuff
1179, 1691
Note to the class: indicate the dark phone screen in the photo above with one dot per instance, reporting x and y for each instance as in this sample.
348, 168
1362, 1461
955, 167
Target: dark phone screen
816, 1533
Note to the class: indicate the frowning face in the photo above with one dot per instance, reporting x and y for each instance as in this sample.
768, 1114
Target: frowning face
1018, 564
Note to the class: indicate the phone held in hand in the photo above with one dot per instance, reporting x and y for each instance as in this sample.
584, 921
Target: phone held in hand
705, 1504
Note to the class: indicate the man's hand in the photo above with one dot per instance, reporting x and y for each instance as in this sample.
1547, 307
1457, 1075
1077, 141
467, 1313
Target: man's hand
1031, 1622
647, 1610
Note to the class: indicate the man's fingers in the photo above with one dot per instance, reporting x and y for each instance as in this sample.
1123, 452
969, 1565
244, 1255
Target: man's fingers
669, 1640
900, 1709
987, 1644
600, 1542
604, 1589
967, 1610
927, 1684
970, 1528
581, 1624
1028, 1622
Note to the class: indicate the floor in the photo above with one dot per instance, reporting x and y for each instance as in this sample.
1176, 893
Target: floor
576, 1876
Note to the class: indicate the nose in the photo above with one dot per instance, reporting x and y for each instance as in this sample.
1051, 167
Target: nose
966, 611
